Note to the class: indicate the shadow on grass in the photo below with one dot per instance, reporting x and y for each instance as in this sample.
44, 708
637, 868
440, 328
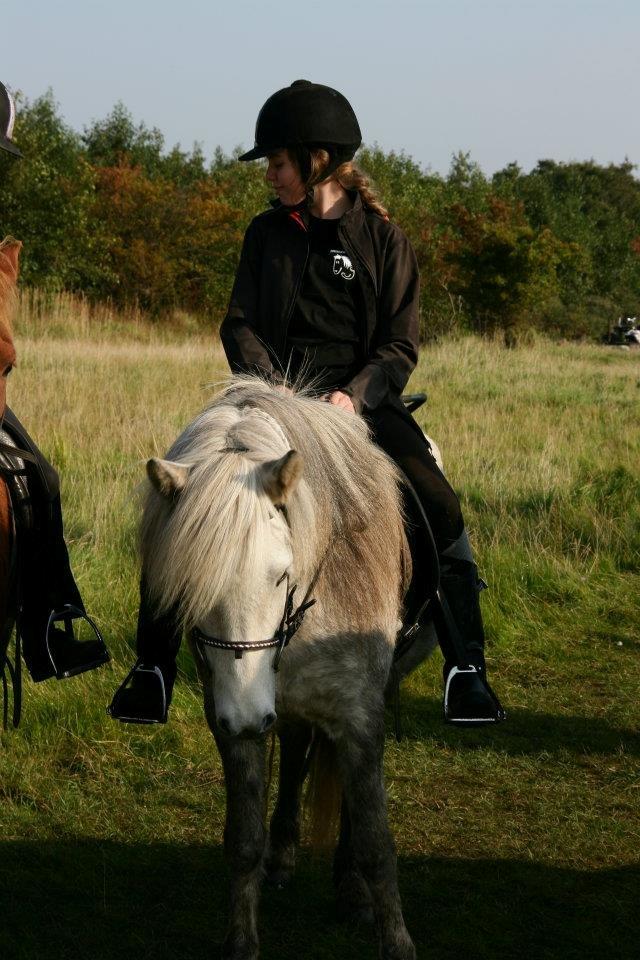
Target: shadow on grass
107, 900
525, 731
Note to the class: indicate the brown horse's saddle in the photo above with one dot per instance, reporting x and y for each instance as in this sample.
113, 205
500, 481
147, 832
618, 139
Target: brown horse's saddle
15, 472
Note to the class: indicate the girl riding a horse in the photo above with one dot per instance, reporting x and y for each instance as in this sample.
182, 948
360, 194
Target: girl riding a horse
48, 599
326, 291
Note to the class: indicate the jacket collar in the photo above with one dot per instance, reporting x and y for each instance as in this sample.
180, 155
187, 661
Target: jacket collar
353, 217
352, 224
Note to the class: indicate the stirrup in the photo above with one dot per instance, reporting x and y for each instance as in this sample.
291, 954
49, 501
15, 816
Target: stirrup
126, 704
66, 615
470, 681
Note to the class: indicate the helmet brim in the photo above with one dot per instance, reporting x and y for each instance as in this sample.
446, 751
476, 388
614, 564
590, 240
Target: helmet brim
10, 147
256, 154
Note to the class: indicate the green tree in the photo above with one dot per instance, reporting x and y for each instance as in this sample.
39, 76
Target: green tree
505, 271
47, 200
119, 140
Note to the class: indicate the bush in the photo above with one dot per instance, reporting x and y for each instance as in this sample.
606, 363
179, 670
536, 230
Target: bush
114, 214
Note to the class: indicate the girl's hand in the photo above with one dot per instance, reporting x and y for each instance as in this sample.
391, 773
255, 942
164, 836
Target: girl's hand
340, 399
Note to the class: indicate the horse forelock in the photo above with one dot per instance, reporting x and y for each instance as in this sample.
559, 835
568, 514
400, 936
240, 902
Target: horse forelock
217, 528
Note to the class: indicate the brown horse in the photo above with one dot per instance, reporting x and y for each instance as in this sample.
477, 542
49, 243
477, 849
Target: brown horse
9, 254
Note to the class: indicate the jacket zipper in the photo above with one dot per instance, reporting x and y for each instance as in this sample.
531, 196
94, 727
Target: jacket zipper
296, 289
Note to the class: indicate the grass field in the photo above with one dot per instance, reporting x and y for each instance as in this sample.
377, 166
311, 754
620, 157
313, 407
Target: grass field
521, 841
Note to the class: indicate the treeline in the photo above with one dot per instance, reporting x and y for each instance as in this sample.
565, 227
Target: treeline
115, 215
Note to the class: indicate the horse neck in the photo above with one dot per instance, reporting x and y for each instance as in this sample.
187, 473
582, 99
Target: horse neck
7, 356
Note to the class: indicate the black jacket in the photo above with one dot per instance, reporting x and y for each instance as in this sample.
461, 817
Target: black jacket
272, 264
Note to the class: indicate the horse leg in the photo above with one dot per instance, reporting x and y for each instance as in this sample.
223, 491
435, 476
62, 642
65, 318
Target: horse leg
352, 893
244, 840
360, 761
284, 833
243, 762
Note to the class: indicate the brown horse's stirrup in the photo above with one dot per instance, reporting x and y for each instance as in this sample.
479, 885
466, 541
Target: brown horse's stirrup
69, 656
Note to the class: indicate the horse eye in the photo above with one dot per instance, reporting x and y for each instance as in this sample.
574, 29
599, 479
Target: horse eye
7, 370
283, 577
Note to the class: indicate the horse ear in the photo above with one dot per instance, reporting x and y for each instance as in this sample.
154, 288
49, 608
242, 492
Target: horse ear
166, 477
280, 477
9, 256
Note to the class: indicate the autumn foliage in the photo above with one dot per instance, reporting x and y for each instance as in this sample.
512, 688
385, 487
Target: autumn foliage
113, 214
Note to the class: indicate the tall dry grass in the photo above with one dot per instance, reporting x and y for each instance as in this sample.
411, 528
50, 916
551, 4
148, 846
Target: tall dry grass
543, 445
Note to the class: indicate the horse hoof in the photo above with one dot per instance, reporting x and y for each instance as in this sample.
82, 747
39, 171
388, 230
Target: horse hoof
360, 916
278, 878
240, 950
279, 865
399, 951
354, 900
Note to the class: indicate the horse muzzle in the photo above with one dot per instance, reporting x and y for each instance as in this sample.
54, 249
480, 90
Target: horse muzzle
248, 731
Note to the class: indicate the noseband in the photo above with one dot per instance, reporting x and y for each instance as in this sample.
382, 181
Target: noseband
289, 625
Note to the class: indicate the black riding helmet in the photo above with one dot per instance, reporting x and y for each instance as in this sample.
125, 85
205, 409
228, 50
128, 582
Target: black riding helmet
303, 116
7, 116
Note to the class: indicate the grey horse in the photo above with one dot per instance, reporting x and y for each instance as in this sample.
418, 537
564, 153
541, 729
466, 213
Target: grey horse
275, 525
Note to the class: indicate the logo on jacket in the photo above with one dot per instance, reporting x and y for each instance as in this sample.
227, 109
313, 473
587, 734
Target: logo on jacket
342, 265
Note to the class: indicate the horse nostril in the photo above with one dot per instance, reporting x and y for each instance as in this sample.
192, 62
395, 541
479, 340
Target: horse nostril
224, 725
268, 722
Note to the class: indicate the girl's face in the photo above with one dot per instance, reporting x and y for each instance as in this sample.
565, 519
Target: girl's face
284, 177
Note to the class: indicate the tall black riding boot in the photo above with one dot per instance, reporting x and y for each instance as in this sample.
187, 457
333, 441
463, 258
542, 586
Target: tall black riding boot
48, 598
468, 698
50, 603
144, 695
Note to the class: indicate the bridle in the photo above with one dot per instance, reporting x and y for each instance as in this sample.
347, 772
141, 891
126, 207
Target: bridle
290, 622
289, 625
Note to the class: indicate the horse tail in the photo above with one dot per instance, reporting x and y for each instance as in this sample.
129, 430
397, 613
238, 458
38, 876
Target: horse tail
323, 797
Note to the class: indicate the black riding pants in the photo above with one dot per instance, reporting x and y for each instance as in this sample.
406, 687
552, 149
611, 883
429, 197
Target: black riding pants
395, 432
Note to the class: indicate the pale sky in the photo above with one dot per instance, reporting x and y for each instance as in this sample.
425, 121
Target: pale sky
507, 81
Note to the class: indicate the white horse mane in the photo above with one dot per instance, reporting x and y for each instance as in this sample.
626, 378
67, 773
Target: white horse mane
215, 527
